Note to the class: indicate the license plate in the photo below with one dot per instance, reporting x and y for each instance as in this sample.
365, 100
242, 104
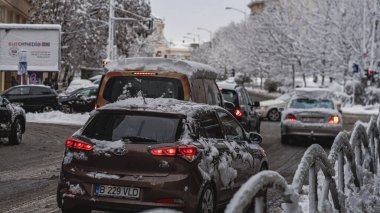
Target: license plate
117, 191
312, 120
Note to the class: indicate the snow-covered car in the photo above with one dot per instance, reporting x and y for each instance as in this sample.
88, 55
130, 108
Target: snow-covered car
80, 100
271, 109
12, 121
311, 113
244, 108
159, 78
157, 153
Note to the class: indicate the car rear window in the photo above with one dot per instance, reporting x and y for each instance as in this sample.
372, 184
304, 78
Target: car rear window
122, 87
310, 104
133, 128
230, 96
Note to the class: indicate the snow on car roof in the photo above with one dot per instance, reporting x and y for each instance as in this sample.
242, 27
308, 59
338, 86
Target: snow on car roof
189, 68
230, 86
164, 105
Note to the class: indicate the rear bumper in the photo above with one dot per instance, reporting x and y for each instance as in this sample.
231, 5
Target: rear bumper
310, 130
182, 187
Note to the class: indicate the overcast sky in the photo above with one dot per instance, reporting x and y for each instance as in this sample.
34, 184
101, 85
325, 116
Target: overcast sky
185, 16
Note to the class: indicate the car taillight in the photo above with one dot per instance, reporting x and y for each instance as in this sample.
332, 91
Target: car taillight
291, 118
96, 106
334, 120
186, 152
238, 113
73, 143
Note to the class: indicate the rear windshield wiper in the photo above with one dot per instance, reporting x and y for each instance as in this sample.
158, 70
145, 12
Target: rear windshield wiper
138, 139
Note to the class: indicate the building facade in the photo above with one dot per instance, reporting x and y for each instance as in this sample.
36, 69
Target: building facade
12, 11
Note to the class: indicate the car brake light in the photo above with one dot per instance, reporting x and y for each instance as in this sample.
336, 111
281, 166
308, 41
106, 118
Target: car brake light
96, 106
334, 120
172, 151
186, 152
73, 143
238, 113
291, 118
145, 73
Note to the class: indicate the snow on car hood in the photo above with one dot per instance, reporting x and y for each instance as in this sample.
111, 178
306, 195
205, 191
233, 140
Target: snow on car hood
273, 102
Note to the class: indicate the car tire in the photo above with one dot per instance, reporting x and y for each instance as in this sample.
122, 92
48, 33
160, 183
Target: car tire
47, 108
66, 109
274, 115
207, 200
15, 137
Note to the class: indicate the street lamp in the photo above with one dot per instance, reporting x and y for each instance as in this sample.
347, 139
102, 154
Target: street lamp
238, 10
195, 35
193, 39
209, 31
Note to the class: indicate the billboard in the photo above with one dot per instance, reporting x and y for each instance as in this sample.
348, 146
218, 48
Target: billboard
42, 44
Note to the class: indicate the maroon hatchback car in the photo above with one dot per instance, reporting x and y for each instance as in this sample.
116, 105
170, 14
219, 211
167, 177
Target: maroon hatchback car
139, 154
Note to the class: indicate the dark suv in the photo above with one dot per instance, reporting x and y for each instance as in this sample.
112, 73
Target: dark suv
33, 97
148, 153
243, 107
12, 121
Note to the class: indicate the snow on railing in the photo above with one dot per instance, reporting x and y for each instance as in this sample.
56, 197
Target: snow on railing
359, 150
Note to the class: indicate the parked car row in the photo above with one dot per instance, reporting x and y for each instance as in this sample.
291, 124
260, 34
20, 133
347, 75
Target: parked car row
160, 138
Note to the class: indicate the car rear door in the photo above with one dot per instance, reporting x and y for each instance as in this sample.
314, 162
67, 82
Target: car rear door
236, 140
211, 135
43, 96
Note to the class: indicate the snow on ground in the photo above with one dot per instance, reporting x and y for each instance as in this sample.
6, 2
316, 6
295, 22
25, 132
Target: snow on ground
362, 110
57, 117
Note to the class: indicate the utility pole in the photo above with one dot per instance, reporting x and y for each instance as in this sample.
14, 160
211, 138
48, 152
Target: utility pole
110, 31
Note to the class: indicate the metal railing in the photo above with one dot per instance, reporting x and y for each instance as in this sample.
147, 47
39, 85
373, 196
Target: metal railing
359, 150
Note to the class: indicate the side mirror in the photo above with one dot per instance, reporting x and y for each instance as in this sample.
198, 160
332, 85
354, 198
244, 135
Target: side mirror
228, 105
255, 138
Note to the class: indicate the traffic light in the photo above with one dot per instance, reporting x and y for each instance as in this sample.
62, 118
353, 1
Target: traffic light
369, 74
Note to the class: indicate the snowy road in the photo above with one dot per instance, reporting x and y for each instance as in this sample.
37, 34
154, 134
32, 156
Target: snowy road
29, 172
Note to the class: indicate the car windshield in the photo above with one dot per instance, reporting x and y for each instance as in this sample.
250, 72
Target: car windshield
311, 103
230, 96
133, 128
284, 97
122, 87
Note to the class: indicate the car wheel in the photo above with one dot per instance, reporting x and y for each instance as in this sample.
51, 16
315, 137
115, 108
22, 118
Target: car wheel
207, 201
66, 109
274, 115
47, 108
15, 137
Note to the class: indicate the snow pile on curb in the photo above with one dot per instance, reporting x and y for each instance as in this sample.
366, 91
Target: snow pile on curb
57, 117
362, 110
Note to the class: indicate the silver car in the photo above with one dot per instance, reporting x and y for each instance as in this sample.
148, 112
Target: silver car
271, 109
311, 113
